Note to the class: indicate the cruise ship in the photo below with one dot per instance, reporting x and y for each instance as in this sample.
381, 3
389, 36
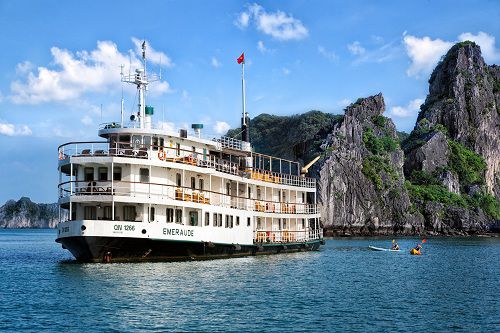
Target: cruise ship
143, 192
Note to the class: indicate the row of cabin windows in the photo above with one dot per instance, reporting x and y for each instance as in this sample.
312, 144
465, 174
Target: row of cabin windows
102, 174
156, 143
201, 182
90, 213
259, 223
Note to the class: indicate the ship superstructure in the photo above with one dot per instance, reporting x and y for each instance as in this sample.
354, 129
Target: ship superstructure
146, 193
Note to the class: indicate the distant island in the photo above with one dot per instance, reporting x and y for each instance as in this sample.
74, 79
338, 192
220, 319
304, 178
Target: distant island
442, 178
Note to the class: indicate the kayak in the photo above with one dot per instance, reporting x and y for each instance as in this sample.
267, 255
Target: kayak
415, 252
374, 248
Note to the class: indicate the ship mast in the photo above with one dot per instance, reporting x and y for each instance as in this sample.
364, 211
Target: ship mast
140, 80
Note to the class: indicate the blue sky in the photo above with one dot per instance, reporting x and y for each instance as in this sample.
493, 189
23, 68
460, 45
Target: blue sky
60, 65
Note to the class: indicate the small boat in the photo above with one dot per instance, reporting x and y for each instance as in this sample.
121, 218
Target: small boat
374, 248
415, 252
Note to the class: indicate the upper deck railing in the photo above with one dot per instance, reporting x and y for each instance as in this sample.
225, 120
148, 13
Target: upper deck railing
168, 154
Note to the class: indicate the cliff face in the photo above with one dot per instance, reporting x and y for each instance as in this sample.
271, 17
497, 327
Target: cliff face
361, 183
464, 97
453, 154
26, 214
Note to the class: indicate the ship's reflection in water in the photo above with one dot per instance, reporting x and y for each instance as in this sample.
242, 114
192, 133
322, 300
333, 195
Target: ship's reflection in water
342, 287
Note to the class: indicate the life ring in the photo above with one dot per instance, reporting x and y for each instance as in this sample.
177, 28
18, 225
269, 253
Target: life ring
162, 155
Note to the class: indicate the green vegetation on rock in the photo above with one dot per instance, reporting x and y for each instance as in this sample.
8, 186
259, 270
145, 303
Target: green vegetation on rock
436, 193
469, 166
378, 145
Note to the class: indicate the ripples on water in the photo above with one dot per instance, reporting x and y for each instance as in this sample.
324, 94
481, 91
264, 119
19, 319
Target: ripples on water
454, 286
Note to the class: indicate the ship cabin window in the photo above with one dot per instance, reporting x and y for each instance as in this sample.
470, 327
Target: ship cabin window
219, 219
227, 222
284, 196
248, 221
228, 188
147, 142
129, 213
284, 224
103, 174
193, 183
193, 218
237, 220
144, 175
259, 226
151, 214
303, 197
155, 143
161, 142
124, 141
89, 174
117, 173
178, 216
279, 224
258, 193
107, 213
215, 220
170, 215
90, 213
207, 218
231, 221
178, 149
136, 141
201, 183
303, 223
178, 179
249, 192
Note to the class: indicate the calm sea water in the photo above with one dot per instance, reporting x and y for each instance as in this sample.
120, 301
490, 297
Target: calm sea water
454, 286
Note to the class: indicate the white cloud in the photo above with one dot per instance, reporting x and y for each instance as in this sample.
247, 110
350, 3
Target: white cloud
409, 110
24, 67
330, 55
215, 63
355, 48
74, 74
424, 53
261, 47
344, 102
166, 126
242, 20
86, 120
279, 25
152, 55
221, 127
486, 42
14, 130
286, 71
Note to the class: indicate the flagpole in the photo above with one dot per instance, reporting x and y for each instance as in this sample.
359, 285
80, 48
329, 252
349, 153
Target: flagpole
243, 91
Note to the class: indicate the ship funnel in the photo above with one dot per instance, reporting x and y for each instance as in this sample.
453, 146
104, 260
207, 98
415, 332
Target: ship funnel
197, 129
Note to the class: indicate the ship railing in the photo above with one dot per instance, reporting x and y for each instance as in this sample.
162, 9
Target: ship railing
231, 143
173, 192
280, 178
285, 236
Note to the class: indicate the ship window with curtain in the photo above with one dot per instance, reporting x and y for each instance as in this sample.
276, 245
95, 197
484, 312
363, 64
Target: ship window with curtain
220, 220
193, 183
103, 174
207, 218
90, 213
178, 179
170, 215
117, 173
151, 214
201, 183
227, 222
215, 220
193, 218
228, 188
144, 175
129, 213
178, 216
107, 213
89, 174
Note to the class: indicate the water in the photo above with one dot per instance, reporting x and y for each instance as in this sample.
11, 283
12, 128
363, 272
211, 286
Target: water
454, 286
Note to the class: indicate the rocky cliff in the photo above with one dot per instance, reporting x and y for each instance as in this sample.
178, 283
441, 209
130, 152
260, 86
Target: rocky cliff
453, 154
361, 183
26, 214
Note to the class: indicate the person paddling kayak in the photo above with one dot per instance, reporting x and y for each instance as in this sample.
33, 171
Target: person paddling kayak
395, 245
416, 250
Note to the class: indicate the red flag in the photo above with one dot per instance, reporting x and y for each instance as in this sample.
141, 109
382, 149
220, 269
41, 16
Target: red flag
241, 58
